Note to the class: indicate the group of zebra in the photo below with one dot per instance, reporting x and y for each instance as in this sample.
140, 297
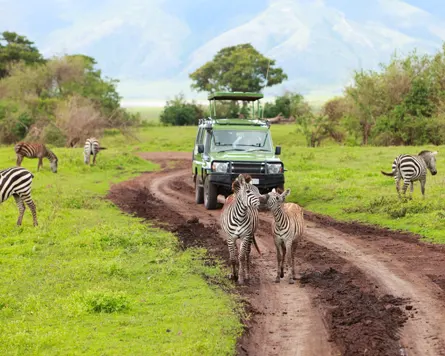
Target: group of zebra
239, 220
17, 181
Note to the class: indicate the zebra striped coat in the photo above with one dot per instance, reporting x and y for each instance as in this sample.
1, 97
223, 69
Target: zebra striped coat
91, 148
288, 229
17, 182
35, 150
239, 220
413, 168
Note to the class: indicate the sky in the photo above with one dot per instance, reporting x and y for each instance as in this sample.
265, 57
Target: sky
152, 45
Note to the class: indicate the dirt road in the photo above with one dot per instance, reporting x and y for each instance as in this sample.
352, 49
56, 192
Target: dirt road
364, 291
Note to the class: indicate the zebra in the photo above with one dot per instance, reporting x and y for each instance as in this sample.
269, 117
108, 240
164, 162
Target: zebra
413, 168
35, 150
288, 229
17, 182
239, 220
92, 148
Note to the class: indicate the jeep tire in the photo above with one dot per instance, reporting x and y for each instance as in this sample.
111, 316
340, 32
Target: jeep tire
199, 190
210, 194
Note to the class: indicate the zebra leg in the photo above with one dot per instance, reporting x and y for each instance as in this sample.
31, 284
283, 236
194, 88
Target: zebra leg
32, 207
406, 182
398, 185
21, 207
291, 247
231, 243
40, 164
248, 250
242, 261
279, 253
19, 160
422, 187
283, 258
94, 159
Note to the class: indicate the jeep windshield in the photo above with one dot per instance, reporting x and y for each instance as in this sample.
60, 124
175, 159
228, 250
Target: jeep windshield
240, 140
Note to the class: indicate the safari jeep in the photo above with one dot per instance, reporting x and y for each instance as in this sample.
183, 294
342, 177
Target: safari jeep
226, 147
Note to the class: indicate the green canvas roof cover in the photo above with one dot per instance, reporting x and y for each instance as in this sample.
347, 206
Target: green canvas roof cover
235, 95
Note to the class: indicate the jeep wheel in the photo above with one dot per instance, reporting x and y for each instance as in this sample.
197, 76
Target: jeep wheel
210, 194
199, 191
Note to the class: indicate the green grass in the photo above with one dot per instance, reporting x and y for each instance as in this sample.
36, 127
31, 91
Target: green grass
148, 114
91, 280
343, 182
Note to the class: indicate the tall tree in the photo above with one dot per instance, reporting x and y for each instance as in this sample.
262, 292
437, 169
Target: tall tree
15, 48
237, 68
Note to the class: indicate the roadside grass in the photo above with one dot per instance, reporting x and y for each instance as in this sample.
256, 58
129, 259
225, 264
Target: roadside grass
91, 280
339, 181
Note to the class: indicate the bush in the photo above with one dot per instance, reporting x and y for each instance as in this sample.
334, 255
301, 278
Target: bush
178, 112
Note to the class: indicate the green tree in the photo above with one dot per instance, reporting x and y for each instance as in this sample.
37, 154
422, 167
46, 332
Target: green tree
178, 112
237, 68
15, 48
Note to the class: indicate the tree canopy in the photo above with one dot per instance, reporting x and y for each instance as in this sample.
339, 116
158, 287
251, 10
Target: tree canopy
237, 68
15, 48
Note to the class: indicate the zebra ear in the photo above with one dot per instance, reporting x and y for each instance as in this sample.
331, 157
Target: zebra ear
273, 190
285, 193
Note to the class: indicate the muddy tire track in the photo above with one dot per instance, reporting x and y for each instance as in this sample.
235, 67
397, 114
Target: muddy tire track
345, 302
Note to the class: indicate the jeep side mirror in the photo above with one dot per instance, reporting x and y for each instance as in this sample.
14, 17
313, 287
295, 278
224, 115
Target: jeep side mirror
278, 150
200, 148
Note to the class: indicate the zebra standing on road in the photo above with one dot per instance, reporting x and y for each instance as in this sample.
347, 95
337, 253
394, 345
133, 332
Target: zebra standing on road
239, 220
413, 168
92, 148
35, 150
17, 182
288, 230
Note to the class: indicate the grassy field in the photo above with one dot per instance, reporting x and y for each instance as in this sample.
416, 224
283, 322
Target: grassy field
91, 280
149, 114
343, 182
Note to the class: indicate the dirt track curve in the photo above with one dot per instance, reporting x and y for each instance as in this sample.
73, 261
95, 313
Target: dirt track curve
364, 290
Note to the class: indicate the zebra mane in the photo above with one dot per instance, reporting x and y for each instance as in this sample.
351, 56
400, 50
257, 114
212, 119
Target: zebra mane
423, 152
236, 185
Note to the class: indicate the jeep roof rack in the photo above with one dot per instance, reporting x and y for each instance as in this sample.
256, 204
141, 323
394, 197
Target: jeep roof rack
235, 95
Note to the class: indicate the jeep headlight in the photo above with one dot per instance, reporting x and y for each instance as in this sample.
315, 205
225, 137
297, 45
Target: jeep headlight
274, 168
220, 167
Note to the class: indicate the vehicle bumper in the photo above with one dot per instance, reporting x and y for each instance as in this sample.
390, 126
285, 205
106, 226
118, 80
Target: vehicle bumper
266, 181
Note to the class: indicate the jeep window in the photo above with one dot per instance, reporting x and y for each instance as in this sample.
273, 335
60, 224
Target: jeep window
240, 140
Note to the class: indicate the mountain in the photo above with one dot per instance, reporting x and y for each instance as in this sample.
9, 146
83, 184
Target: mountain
152, 45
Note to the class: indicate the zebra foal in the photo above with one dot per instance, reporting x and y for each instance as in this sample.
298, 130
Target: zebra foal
91, 148
17, 182
35, 150
412, 168
288, 229
239, 220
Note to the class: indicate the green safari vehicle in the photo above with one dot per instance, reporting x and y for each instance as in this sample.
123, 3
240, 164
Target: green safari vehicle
227, 147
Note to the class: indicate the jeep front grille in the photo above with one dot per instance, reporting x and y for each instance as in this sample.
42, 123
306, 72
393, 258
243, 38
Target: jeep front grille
247, 167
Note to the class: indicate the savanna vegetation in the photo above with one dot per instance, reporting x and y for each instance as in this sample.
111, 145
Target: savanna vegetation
89, 279
59, 100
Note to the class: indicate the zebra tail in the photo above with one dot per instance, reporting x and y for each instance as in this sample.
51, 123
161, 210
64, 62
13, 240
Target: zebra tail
102, 148
388, 174
256, 246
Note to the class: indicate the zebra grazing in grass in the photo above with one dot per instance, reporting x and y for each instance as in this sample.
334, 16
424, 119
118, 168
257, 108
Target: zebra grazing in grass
288, 229
35, 150
17, 182
239, 220
92, 148
413, 168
